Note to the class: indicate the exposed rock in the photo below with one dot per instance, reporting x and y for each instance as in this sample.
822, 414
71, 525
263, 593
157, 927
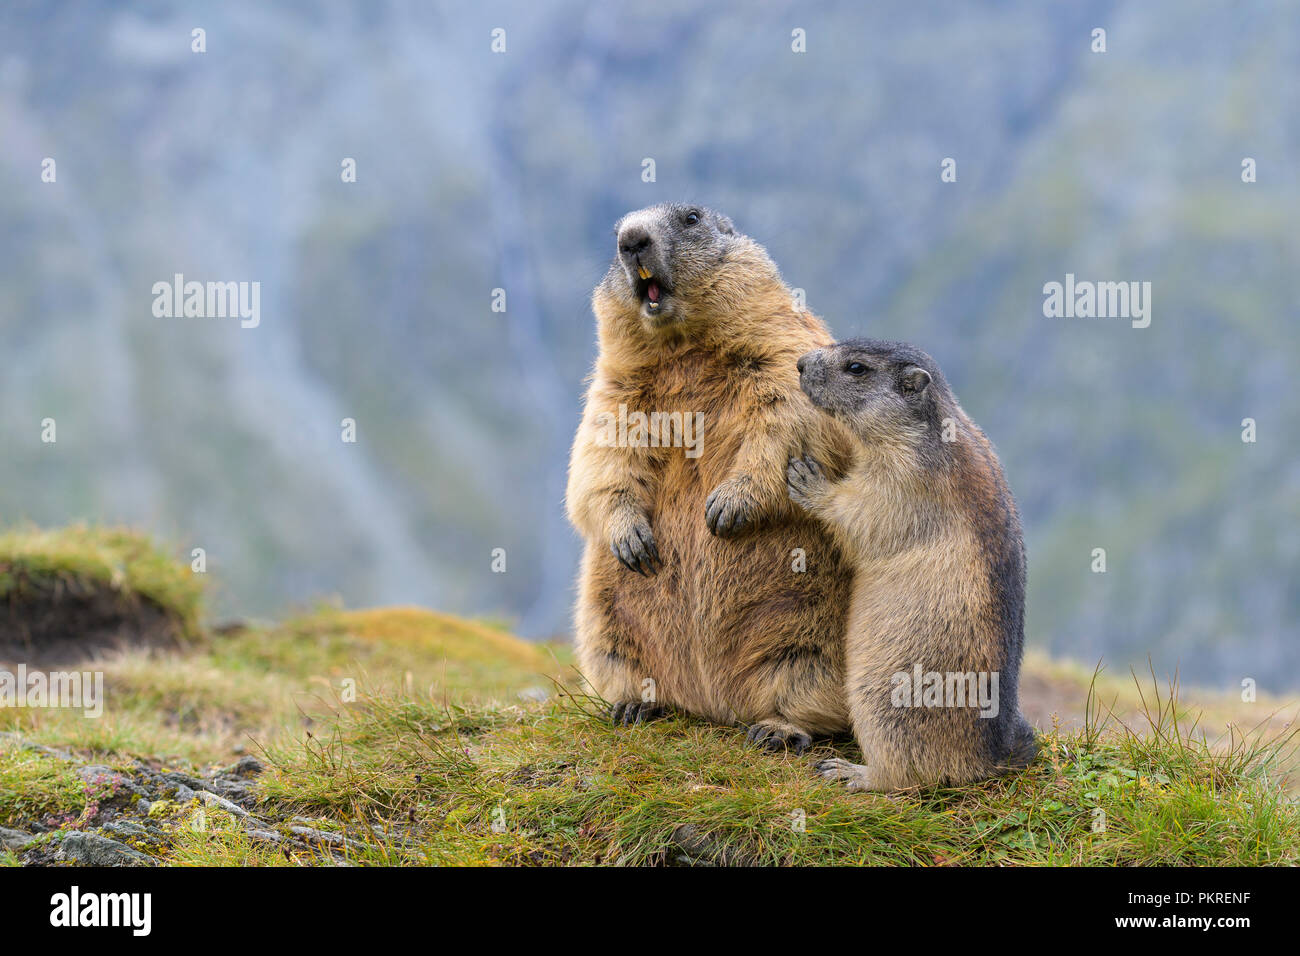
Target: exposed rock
98, 773
318, 836
248, 766
14, 839
126, 829
100, 776
212, 800
183, 780
234, 791
91, 849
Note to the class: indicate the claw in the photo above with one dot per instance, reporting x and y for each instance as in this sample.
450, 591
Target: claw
637, 551
625, 558
724, 516
652, 550
777, 736
632, 712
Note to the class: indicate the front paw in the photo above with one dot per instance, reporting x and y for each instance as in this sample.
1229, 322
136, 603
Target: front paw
634, 546
805, 481
731, 508
856, 777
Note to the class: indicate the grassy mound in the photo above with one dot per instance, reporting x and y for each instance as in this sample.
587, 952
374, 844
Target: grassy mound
402, 736
558, 784
72, 590
223, 695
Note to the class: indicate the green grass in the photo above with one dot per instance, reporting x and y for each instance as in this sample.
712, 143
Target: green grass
417, 738
227, 694
33, 785
558, 784
467, 773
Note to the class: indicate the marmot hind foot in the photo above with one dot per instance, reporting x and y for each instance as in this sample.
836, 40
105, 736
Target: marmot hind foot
777, 735
628, 712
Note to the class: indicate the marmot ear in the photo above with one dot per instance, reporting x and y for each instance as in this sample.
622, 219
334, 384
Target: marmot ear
914, 379
725, 226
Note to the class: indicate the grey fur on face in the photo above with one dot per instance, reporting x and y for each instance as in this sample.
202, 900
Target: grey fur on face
662, 253
881, 389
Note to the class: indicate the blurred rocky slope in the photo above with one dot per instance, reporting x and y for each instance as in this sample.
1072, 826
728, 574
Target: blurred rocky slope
479, 171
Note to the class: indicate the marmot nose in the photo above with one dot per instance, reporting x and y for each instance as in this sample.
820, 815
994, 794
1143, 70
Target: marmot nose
633, 239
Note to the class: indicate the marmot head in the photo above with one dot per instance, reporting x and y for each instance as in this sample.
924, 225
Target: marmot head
884, 391
667, 259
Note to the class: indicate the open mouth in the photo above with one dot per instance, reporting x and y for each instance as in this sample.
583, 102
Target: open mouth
650, 290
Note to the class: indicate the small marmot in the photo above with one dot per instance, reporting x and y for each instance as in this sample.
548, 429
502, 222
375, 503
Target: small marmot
703, 588
936, 626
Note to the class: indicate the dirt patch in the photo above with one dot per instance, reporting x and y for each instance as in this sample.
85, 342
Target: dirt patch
63, 623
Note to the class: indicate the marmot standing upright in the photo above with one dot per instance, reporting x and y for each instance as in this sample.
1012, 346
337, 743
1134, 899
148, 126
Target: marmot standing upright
702, 586
936, 629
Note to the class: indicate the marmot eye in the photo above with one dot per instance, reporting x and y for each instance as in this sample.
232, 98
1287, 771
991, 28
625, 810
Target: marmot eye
691, 218
856, 368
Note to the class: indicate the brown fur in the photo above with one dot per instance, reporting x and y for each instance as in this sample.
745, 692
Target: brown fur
931, 529
726, 628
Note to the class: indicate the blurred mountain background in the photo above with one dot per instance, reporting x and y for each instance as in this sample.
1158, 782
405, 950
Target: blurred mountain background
479, 170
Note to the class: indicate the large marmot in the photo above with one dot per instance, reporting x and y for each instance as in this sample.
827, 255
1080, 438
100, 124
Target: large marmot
936, 630
703, 587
